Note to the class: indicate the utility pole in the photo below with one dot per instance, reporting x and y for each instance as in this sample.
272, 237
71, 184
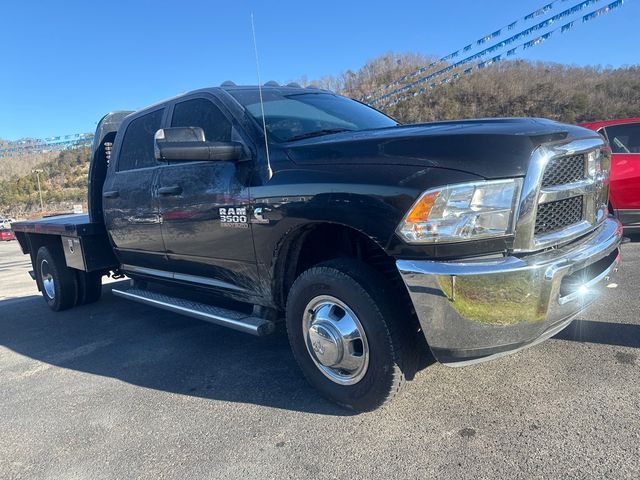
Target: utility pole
38, 171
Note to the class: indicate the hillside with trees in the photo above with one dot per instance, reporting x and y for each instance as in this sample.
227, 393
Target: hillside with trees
21, 164
63, 182
518, 88
510, 89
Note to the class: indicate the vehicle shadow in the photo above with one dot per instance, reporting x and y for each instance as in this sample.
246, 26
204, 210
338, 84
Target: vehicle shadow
155, 349
160, 350
616, 334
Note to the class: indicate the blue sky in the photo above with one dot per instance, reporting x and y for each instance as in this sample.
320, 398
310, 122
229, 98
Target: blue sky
64, 64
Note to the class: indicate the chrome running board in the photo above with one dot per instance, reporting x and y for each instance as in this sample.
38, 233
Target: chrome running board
209, 313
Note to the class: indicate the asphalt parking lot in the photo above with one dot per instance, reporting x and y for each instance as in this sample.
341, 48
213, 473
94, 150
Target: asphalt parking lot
121, 390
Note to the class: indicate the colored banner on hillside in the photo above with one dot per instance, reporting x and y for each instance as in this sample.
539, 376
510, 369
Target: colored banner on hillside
498, 51
36, 145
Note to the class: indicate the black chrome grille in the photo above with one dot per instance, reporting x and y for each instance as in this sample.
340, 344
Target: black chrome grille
563, 170
554, 216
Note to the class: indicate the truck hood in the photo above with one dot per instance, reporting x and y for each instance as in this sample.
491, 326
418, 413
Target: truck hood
491, 148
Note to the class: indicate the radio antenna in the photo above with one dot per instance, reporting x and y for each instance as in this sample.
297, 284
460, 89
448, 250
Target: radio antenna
264, 123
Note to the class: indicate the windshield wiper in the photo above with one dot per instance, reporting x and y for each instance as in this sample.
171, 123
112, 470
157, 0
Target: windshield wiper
318, 133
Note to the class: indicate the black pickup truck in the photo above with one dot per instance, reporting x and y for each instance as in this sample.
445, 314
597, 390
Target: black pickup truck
244, 206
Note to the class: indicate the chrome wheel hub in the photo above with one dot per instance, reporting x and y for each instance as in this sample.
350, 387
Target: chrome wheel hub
326, 343
47, 280
336, 340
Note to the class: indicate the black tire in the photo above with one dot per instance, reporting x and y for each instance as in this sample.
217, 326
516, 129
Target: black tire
89, 287
391, 342
50, 262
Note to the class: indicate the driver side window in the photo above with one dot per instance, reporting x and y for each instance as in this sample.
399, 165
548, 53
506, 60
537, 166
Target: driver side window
202, 113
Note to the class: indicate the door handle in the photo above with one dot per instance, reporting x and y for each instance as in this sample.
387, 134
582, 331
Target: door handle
172, 190
111, 194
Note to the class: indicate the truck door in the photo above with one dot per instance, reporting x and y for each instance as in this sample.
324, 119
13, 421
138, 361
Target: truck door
204, 208
130, 208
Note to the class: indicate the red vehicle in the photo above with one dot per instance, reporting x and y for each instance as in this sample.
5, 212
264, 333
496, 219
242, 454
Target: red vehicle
624, 197
6, 235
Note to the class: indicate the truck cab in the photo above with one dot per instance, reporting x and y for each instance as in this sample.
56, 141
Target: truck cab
164, 216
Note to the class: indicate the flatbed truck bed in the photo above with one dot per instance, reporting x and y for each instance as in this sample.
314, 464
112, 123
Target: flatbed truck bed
85, 244
74, 225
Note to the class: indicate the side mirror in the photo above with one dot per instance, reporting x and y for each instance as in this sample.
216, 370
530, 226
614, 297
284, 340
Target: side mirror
188, 144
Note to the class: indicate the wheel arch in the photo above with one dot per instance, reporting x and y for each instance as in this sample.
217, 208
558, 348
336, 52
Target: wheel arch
317, 242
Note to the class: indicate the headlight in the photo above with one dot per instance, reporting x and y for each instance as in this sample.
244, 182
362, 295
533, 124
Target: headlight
466, 211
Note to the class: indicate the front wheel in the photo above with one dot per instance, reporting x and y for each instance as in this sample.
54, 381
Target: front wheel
351, 340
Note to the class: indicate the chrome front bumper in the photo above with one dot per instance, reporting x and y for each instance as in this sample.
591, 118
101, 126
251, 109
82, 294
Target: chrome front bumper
472, 311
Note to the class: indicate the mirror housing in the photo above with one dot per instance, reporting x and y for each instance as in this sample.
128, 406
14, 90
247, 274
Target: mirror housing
188, 144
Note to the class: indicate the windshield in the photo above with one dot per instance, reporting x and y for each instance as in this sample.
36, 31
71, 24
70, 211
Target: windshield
293, 116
